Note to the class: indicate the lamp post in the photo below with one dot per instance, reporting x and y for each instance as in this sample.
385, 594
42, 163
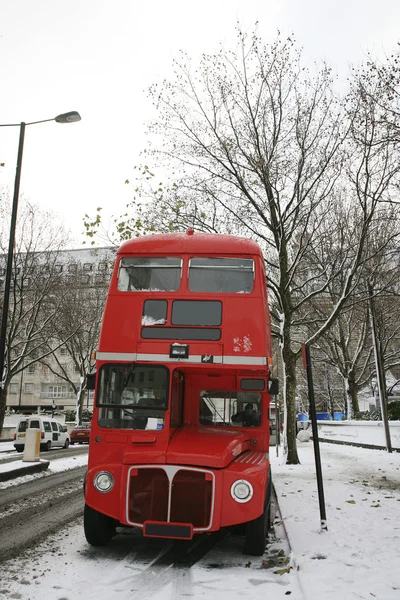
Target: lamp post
69, 117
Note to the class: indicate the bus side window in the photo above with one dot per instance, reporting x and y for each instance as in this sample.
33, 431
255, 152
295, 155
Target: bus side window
176, 410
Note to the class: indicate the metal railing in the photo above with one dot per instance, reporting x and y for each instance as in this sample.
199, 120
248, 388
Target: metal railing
57, 395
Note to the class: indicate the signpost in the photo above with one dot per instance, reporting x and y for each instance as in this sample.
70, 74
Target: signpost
313, 415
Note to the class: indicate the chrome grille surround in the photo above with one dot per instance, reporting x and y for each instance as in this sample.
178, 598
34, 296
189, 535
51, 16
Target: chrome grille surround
170, 471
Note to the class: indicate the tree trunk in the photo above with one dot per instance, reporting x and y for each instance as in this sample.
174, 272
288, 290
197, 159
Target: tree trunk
81, 402
289, 387
3, 404
352, 391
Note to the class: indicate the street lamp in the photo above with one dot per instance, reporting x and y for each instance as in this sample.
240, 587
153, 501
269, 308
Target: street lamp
69, 117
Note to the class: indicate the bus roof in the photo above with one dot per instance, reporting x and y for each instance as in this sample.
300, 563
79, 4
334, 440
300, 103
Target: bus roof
190, 241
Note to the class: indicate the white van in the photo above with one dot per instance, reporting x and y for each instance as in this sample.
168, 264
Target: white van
52, 433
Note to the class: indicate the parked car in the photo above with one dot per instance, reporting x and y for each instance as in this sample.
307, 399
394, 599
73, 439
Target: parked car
80, 434
52, 433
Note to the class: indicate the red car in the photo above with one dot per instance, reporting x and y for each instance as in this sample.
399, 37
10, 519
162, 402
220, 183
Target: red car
80, 434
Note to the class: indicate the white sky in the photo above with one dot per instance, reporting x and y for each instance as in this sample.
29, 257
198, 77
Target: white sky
99, 56
357, 558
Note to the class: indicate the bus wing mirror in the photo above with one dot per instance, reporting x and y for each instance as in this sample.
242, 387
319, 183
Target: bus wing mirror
90, 381
273, 386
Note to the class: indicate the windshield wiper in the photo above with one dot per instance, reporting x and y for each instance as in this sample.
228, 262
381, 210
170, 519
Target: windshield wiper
131, 371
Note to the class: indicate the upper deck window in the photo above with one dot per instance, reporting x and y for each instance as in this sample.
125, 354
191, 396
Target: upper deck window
149, 274
229, 275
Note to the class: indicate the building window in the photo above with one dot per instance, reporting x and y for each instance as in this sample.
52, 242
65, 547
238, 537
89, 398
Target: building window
76, 369
99, 280
31, 369
85, 279
102, 266
88, 266
29, 388
13, 389
63, 351
58, 268
58, 391
45, 369
72, 268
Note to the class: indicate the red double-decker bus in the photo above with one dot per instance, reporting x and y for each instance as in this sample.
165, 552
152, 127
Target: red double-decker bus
180, 431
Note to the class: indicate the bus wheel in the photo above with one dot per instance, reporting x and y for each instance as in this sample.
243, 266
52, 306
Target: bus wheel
256, 533
99, 528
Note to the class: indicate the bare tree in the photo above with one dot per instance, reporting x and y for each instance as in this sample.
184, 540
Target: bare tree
259, 146
256, 138
346, 348
379, 83
328, 387
34, 295
78, 323
347, 345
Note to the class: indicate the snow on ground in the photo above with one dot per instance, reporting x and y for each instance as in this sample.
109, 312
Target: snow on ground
6, 447
357, 558
56, 465
360, 432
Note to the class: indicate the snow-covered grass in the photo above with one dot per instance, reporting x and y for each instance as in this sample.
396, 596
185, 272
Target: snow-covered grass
356, 558
360, 432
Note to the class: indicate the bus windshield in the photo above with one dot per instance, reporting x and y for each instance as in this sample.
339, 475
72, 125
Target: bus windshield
149, 274
230, 408
132, 397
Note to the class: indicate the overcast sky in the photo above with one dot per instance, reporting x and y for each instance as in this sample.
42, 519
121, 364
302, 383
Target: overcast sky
99, 56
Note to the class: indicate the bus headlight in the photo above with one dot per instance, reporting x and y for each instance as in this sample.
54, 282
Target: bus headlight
103, 482
241, 490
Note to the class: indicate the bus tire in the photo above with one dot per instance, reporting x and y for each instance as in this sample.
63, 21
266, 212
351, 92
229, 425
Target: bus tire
99, 528
256, 533
257, 530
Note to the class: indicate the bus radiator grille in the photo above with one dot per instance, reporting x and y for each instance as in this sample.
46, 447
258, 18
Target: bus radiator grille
165, 494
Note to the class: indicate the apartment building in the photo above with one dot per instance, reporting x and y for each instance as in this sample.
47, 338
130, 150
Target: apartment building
38, 386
